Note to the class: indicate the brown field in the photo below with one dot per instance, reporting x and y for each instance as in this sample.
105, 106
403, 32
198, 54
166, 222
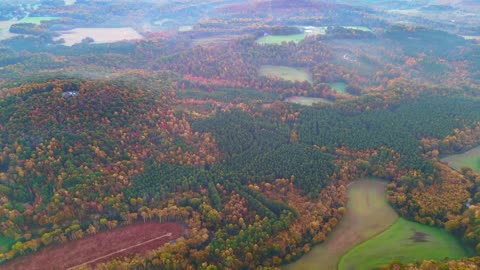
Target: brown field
133, 239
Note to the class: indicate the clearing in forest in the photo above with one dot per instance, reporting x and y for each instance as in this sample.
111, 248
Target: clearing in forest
37, 20
132, 239
469, 159
285, 73
368, 214
99, 35
340, 87
306, 101
405, 241
268, 40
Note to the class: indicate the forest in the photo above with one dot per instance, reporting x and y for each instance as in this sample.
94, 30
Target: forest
182, 127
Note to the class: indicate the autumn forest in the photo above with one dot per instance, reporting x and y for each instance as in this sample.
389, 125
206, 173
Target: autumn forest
230, 134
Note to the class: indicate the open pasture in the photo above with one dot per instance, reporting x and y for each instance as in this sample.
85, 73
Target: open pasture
268, 40
306, 101
405, 241
368, 214
37, 20
285, 73
99, 35
340, 87
469, 159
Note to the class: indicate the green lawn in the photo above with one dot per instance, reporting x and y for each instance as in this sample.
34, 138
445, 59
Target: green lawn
279, 39
368, 214
285, 73
405, 241
469, 159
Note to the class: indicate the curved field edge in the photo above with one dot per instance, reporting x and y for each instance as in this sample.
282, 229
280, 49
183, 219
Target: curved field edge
368, 214
404, 241
470, 158
133, 239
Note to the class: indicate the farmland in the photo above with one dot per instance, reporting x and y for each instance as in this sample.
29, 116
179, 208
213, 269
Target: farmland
285, 73
99, 35
133, 239
405, 241
469, 159
368, 214
269, 40
306, 101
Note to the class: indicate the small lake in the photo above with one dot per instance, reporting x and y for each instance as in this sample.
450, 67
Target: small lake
469, 159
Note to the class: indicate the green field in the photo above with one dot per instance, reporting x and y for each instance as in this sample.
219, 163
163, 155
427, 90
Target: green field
5, 243
340, 87
285, 73
267, 40
368, 214
37, 20
405, 241
469, 159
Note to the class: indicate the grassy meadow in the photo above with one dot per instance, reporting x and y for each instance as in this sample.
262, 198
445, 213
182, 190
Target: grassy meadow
268, 40
469, 159
306, 101
37, 20
285, 73
368, 214
340, 87
405, 241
